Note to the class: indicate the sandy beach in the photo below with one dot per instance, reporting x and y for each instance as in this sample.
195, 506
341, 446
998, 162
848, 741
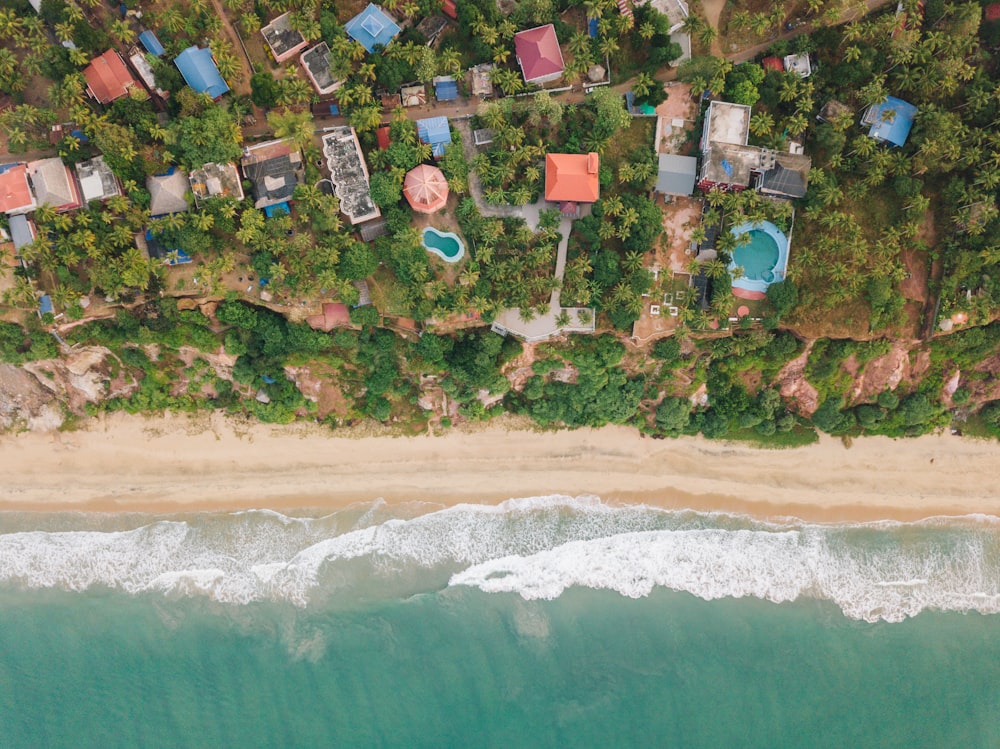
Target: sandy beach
179, 463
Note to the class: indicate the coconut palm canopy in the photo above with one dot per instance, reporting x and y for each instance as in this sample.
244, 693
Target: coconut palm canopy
426, 188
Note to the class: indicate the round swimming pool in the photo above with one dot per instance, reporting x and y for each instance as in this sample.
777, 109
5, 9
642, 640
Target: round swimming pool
446, 245
758, 256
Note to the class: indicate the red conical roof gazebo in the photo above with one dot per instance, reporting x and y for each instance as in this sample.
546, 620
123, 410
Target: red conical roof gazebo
426, 189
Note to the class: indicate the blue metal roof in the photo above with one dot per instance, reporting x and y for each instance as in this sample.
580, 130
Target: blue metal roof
199, 71
372, 27
435, 132
151, 43
892, 120
446, 90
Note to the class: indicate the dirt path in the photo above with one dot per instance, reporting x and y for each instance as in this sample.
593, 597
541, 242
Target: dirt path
713, 12
242, 86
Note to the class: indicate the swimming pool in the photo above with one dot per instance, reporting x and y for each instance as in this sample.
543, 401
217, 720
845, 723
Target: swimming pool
446, 245
763, 256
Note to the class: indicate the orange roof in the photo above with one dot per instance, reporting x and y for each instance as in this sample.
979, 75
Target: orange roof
15, 194
572, 177
772, 63
108, 78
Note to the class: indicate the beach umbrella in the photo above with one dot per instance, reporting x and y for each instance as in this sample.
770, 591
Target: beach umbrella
426, 189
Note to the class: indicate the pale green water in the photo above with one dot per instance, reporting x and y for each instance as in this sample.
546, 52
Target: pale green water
385, 653
446, 245
757, 256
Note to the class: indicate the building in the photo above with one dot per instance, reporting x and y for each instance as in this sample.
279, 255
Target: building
434, 131
798, 64
153, 46
834, 110
788, 178
53, 184
216, 180
137, 59
482, 86
108, 78
676, 175
284, 41
449, 8
383, 137
890, 121
316, 63
200, 72
425, 189
726, 123
97, 181
22, 231
431, 28
168, 193
275, 168
15, 192
372, 28
773, 63
349, 174
413, 96
571, 179
445, 88
538, 54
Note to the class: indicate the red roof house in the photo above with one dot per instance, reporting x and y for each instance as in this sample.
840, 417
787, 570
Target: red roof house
993, 12
538, 54
15, 193
382, 137
108, 78
772, 63
572, 177
449, 9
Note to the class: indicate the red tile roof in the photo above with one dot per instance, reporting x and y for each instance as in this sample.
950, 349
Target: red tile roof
15, 194
572, 177
993, 12
448, 6
538, 52
108, 78
772, 63
382, 136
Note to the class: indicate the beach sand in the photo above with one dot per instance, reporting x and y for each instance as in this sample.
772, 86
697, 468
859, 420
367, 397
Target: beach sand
176, 463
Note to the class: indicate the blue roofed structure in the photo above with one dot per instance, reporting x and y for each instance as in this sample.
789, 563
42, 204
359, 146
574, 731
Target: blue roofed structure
434, 131
372, 28
445, 88
891, 121
200, 72
45, 305
151, 43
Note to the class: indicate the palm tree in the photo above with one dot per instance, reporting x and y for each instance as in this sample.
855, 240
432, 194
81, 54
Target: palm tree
761, 124
122, 31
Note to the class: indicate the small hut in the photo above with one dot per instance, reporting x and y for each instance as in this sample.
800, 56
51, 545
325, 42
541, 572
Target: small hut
426, 189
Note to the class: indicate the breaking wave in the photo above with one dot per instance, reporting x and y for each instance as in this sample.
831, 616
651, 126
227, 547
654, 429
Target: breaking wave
536, 547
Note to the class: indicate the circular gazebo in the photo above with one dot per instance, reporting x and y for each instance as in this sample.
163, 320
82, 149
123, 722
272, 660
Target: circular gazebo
425, 188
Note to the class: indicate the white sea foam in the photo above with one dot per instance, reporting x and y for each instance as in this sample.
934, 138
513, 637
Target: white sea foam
535, 547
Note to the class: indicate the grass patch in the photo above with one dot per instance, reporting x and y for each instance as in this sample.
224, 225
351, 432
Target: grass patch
800, 436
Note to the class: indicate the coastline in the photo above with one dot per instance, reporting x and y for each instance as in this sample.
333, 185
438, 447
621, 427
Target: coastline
177, 463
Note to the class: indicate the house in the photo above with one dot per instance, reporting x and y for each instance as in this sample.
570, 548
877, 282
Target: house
571, 179
413, 96
284, 41
726, 123
167, 193
216, 180
199, 71
425, 189
432, 27
890, 121
798, 64
53, 184
316, 63
676, 175
773, 63
445, 88
108, 78
15, 192
434, 131
372, 28
153, 46
145, 72
449, 8
97, 181
349, 174
992, 12
382, 137
22, 231
275, 168
834, 110
788, 178
482, 86
538, 54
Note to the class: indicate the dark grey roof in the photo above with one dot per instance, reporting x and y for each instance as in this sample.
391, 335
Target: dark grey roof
785, 181
677, 174
274, 179
703, 290
20, 231
371, 230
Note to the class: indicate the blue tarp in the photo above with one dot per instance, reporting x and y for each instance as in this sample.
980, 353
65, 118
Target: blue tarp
446, 90
592, 28
435, 132
45, 305
199, 71
892, 120
151, 43
372, 28
277, 209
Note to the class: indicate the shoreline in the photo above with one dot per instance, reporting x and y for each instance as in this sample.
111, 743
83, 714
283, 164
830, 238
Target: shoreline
176, 463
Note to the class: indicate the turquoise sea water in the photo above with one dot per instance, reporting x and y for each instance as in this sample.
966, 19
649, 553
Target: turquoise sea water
545, 623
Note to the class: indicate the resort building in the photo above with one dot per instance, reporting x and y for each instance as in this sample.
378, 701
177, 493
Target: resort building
15, 192
445, 88
316, 63
434, 131
275, 168
571, 179
725, 123
890, 121
538, 54
53, 184
216, 180
284, 41
372, 28
349, 174
425, 189
200, 72
168, 193
97, 181
676, 175
108, 78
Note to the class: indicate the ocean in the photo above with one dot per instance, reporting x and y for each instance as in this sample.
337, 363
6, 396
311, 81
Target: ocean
542, 622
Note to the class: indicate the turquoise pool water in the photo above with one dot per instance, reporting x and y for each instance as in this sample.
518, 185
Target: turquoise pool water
763, 257
446, 245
